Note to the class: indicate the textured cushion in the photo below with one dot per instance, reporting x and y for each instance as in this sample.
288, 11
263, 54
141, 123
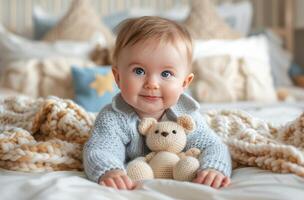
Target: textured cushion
215, 79
80, 23
233, 70
94, 87
42, 77
204, 22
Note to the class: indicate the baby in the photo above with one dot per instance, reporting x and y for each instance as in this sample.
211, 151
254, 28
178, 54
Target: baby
152, 67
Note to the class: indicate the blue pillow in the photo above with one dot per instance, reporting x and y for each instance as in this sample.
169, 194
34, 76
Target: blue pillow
94, 87
43, 22
114, 19
296, 70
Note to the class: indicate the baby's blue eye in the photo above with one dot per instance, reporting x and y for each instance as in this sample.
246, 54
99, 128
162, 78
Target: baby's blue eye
139, 71
166, 74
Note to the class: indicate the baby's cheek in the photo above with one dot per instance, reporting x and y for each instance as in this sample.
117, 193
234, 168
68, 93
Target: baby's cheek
171, 95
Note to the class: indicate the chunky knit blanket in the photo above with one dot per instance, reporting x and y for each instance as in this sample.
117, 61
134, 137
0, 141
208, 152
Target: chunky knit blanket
42, 135
48, 134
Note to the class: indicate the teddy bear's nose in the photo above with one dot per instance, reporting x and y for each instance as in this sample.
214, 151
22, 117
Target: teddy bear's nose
165, 134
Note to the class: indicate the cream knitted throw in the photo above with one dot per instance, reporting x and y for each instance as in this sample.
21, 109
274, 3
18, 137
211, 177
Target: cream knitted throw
42, 135
253, 142
48, 134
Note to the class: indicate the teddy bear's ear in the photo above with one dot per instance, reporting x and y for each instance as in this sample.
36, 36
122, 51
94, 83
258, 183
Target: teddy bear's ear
145, 125
186, 122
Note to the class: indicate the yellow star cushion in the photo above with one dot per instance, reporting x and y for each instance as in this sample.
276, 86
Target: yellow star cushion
94, 87
103, 83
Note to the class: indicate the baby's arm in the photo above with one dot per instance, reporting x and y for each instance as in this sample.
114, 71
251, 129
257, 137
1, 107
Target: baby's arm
105, 150
215, 160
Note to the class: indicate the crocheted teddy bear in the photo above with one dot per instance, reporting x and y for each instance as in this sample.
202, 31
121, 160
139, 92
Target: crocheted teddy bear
166, 140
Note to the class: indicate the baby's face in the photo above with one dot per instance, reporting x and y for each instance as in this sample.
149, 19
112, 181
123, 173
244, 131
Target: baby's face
151, 77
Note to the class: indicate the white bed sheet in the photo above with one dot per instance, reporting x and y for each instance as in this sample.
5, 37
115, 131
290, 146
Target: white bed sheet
247, 183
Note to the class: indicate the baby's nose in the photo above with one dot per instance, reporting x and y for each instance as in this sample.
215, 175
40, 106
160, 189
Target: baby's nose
151, 83
165, 134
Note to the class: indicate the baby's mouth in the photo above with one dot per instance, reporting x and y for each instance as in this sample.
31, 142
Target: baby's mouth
150, 97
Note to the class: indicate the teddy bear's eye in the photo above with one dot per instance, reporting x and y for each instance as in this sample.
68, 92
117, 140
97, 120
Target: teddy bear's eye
174, 131
157, 131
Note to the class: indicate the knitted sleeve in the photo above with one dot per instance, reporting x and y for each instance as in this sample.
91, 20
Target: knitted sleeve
215, 154
105, 150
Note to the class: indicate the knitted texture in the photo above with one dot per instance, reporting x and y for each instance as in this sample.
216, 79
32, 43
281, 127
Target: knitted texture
116, 139
42, 135
42, 77
253, 142
217, 79
166, 140
189, 165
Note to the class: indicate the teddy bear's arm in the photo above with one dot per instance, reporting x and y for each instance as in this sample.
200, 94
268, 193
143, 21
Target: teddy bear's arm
150, 156
194, 152
181, 155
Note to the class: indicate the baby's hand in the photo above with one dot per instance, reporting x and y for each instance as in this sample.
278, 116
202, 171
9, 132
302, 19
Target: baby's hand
212, 178
117, 179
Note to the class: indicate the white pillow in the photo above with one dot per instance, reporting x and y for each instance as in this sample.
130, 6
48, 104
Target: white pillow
254, 52
254, 47
14, 47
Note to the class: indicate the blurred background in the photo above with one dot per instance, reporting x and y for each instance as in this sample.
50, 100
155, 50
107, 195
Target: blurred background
18, 15
40, 41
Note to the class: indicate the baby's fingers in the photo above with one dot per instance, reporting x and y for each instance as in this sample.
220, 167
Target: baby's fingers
209, 179
217, 182
120, 183
109, 182
226, 181
200, 178
128, 182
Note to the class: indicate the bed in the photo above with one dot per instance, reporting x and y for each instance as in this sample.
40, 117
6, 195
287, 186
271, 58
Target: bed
247, 182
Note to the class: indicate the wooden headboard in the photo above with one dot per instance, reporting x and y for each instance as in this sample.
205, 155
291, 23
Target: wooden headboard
275, 14
285, 27
286, 30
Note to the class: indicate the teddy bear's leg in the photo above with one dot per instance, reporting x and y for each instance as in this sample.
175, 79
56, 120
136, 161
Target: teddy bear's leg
139, 170
185, 169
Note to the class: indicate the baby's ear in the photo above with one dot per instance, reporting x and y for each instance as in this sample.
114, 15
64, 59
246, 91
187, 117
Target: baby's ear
146, 124
186, 122
116, 75
188, 80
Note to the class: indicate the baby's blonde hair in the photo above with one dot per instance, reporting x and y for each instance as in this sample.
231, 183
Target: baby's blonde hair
134, 30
